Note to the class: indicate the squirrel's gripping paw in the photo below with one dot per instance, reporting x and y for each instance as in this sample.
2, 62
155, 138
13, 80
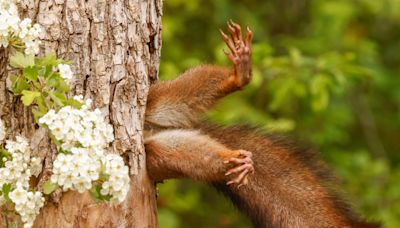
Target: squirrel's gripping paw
243, 167
240, 52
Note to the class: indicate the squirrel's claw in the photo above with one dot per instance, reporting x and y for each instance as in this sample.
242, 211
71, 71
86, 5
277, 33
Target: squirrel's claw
243, 168
240, 52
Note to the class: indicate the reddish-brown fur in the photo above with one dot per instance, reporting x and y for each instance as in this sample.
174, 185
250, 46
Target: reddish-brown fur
290, 186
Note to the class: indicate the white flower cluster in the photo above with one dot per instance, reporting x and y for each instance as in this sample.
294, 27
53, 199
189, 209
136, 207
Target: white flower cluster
80, 169
17, 170
29, 35
84, 136
21, 166
79, 127
27, 204
12, 28
117, 184
65, 72
2, 131
76, 171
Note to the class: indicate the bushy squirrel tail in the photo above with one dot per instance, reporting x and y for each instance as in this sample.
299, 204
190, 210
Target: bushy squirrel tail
291, 185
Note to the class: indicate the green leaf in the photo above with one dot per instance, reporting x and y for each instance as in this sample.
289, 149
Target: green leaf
6, 189
19, 60
4, 154
55, 81
106, 198
44, 71
58, 98
29, 96
14, 78
30, 73
94, 193
19, 84
50, 59
73, 103
41, 105
38, 114
103, 176
63, 86
49, 187
97, 196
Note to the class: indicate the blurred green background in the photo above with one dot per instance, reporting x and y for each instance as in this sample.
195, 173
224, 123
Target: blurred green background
325, 71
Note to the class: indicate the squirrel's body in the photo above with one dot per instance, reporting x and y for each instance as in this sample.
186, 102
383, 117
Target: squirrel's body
290, 186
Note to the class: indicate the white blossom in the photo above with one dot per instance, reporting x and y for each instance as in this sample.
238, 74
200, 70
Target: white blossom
32, 47
21, 166
84, 136
78, 98
19, 195
17, 170
79, 127
27, 204
65, 72
12, 27
9, 18
117, 184
76, 171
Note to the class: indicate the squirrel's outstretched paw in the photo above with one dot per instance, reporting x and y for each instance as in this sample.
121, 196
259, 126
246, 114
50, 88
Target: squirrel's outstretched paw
240, 52
243, 168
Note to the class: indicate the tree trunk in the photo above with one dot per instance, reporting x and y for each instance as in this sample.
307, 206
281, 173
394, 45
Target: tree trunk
115, 49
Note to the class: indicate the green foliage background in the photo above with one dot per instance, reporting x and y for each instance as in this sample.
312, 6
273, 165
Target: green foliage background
325, 71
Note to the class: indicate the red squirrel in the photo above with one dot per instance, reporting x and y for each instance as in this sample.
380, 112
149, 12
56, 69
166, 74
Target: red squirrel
267, 177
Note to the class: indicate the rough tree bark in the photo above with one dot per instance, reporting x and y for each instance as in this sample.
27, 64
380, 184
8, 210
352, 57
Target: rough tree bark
115, 50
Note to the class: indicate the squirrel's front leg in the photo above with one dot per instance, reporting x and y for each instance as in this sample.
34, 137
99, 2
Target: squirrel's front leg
180, 102
239, 55
191, 154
